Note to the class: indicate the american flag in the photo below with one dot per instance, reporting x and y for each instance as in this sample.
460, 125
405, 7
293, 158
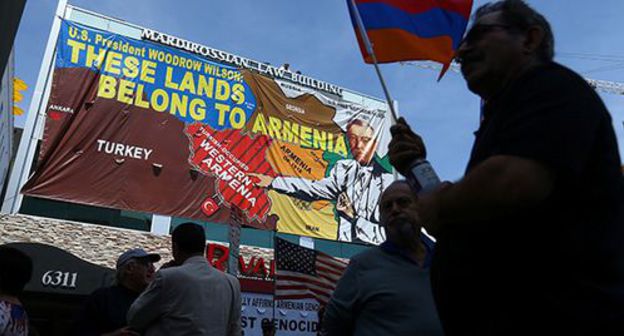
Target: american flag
302, 273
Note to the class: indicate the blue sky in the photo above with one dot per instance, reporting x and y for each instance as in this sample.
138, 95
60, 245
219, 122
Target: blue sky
316, 37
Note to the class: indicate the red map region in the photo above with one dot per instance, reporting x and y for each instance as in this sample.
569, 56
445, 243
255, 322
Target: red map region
229, 155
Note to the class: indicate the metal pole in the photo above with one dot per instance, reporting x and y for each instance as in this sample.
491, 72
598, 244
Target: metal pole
369, 49
234, 239
274, 273
28, 144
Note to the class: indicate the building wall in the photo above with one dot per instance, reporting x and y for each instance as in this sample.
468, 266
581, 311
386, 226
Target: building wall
6, 121
97, 244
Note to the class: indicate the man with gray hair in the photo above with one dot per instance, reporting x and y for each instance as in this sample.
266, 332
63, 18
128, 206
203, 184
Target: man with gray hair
105, 310
529, 241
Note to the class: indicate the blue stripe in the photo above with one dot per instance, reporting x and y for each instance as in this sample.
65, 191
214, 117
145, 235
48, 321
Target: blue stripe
433, 23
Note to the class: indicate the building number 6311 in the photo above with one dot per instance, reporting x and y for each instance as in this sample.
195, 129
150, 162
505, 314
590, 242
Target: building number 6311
58, 278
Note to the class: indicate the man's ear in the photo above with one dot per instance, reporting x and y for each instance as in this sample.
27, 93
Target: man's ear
127, 268
533, 39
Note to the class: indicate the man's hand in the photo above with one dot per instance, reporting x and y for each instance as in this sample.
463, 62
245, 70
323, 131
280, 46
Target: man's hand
428, 207
344, 205
261, 180
428, 212
405, 146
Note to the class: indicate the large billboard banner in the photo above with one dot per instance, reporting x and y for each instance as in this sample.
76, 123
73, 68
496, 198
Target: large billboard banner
137, 125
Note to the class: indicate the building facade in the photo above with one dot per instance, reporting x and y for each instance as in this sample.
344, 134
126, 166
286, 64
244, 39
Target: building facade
75, 246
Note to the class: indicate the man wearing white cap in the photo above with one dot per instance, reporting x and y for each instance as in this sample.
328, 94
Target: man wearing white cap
105, 310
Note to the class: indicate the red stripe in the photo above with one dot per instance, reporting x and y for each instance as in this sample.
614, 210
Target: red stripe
220, 136
234, 197
226, 191
247, 157
313, 290
294, 278
262, 203
281, 283
256, 162
462, 7
334, 265
328, 270
327, 256
248, 144
239, 141
294, 297
321, 297
265, 168
329, 286
331, 262
299, 297
333, 280
332, 268
215, 134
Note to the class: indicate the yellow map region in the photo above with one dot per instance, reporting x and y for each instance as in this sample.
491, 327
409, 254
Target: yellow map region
295, 215
316, 218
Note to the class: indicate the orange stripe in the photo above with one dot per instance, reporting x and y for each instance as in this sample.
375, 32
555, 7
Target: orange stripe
393, 45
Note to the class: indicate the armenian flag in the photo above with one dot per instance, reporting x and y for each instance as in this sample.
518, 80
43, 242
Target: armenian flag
404, 30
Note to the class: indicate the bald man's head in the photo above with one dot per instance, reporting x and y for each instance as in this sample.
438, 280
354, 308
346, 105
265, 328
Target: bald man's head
399, 213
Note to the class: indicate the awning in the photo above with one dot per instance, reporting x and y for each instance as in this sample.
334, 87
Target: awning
57, 271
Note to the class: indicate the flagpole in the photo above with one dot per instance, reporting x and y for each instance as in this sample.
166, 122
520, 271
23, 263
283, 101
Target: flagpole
371, 53
274, 274
369, 50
